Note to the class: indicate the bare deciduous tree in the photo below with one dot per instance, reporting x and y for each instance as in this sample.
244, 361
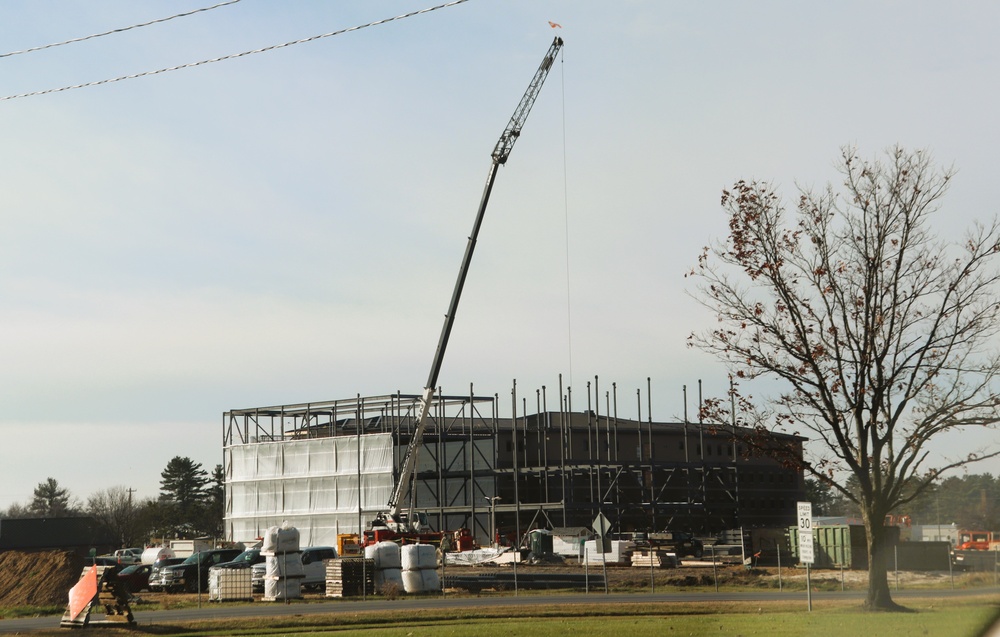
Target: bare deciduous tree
879, 335
113, 507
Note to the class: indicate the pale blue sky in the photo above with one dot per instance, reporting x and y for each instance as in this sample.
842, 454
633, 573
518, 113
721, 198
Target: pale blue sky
287, 226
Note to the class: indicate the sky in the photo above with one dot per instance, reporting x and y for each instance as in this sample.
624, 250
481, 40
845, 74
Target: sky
287, 226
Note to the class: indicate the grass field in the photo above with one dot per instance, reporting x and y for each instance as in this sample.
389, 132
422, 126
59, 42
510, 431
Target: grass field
930, 617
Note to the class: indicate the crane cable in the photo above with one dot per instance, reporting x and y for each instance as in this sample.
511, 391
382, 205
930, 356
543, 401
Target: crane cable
233, 55
569, 305
119, 30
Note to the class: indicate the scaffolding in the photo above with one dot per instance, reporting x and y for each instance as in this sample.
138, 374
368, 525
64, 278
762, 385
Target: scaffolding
329, 467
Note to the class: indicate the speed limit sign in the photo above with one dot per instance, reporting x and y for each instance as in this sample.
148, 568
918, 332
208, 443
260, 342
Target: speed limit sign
804, 516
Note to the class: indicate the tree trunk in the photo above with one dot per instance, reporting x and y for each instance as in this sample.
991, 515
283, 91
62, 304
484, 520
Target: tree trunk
879, 550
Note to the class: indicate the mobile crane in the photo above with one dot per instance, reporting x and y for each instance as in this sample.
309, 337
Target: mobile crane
394, 523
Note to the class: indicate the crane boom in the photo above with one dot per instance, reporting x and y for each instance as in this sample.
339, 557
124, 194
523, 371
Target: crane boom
500, 153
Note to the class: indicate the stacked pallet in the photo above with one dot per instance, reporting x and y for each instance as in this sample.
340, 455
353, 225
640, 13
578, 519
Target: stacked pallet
350, 577
654, 559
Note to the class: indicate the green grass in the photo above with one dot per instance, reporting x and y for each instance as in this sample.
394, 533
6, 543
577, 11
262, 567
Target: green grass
944, 618
30, 611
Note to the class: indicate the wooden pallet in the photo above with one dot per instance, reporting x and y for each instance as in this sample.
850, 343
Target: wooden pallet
350, 577
97, 588
654, 559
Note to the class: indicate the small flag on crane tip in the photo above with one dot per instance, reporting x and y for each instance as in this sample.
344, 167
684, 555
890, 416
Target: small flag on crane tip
554, 25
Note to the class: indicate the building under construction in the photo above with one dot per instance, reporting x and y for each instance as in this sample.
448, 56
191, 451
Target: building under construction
330, 468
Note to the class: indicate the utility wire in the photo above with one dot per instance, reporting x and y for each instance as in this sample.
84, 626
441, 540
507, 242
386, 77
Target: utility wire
113, 31
234, 55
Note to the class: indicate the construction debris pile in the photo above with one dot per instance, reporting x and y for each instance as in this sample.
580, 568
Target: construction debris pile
39, 578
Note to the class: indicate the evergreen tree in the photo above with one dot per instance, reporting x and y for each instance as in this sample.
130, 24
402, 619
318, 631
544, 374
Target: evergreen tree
182, 491
215, 504
50, 500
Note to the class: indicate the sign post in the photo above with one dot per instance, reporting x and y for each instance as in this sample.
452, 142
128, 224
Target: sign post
601, 527
806, 554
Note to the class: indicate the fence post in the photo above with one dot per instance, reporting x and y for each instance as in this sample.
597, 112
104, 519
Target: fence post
780, 584
715, 572
895, 564
951, 570
652, 579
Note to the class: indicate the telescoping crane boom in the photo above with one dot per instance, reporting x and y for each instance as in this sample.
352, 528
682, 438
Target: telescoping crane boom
392, 517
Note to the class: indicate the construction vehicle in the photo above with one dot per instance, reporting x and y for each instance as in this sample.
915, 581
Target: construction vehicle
394, 523
978, 541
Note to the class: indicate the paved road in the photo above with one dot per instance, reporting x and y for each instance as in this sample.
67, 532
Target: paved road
222, 611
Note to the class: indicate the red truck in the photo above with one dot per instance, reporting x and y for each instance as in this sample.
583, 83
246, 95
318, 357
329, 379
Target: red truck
978, 541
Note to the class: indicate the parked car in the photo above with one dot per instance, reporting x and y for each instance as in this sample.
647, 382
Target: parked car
156, 572
135, 578
192, 574
312, 565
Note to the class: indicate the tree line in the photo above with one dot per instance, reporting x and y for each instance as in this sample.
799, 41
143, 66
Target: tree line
191, 503
970, 502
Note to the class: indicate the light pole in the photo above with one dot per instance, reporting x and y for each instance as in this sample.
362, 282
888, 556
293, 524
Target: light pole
493, 517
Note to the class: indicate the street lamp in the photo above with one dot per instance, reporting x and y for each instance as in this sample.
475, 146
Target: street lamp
493, 517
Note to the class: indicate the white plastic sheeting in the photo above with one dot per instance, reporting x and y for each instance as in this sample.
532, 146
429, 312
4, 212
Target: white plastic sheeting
312, 484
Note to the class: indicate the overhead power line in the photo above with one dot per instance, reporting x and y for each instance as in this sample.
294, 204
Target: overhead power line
234, 55
113, 31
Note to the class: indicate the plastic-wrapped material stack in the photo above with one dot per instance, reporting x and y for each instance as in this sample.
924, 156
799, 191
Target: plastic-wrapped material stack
388, 572
419, 564
280, 539
283, 563
619, 554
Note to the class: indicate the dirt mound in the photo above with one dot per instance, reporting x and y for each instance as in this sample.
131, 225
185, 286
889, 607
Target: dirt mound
39, 578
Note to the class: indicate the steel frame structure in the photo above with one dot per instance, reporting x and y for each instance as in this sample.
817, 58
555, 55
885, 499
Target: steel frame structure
550, 468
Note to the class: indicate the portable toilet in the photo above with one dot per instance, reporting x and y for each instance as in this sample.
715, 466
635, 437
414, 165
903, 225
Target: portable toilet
540, 542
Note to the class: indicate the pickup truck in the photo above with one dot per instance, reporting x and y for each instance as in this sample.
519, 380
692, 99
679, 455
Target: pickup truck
126, 557
191, 575
313, 567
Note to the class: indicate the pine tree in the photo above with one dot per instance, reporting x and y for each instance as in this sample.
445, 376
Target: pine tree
182, 488
50, 500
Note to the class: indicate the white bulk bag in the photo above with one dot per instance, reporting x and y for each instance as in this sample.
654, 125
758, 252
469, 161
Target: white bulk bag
413, 581
281, 589
389, 577
432, 581
385, 554
280, 539
418, 556
284, 565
